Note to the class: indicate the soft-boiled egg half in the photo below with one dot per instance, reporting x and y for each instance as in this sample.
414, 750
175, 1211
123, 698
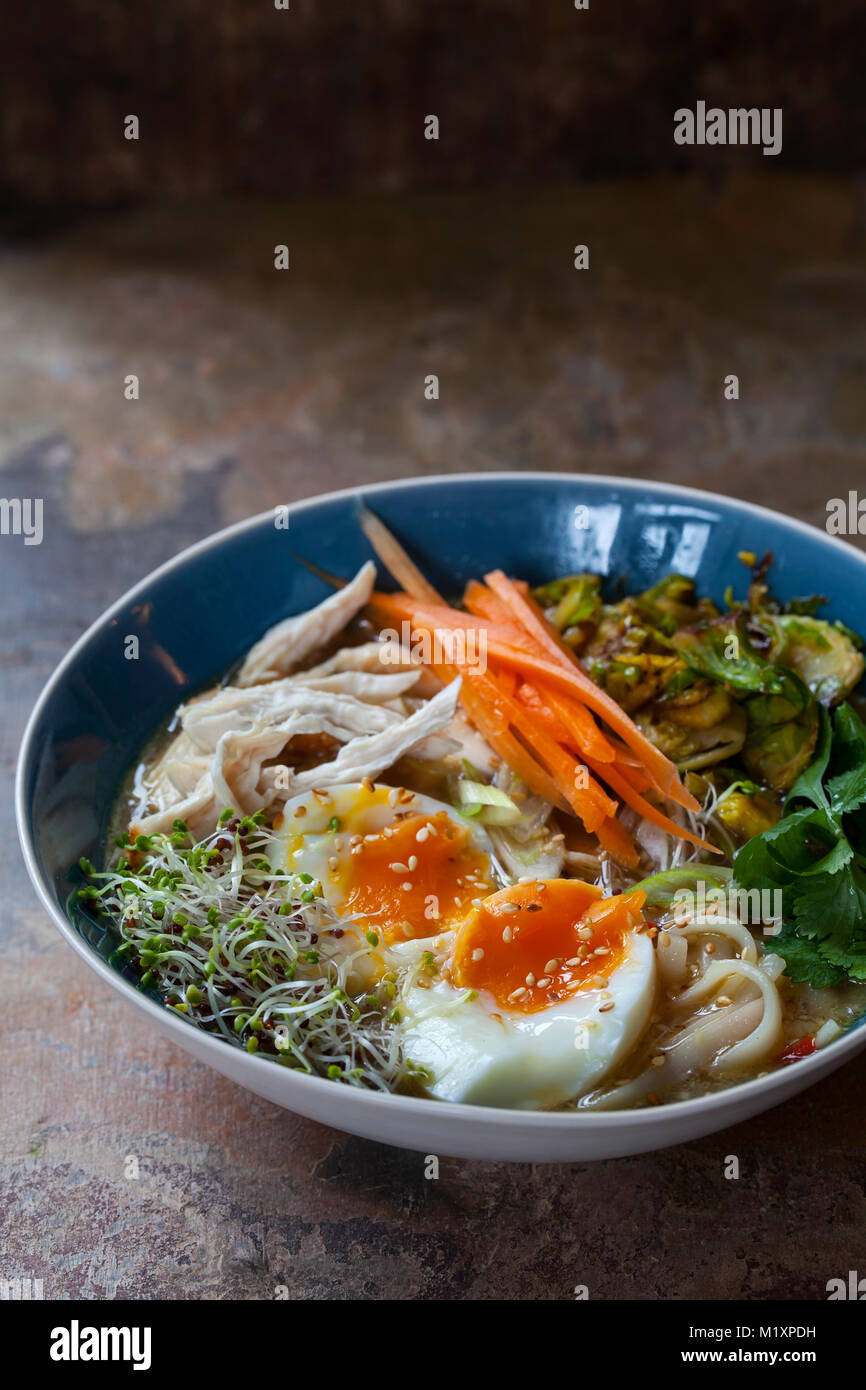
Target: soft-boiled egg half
525, 996
390, 861
549, 988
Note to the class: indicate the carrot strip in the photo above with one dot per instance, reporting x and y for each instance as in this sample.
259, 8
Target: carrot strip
645, 808
438, 617
586, 798
485, 604
583, 728
529, 696
480, 704
546, 673
635, 775
532, 620
395, 559
614, 838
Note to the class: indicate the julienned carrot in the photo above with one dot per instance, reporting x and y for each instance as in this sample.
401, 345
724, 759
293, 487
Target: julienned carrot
395, 558
481, 601
529, 616
586, 798
617, 781
426, 620
615, 839
635, 775
439, 618
584, 731
546, 673
575, 726
529, 696
479, 704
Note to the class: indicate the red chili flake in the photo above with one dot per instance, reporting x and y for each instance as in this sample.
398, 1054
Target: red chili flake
795, 1050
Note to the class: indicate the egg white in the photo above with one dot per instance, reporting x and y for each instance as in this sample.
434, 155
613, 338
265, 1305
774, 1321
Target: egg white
476, 1052
310, 847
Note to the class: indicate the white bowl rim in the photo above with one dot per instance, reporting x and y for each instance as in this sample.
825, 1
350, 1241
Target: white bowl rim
492, 1117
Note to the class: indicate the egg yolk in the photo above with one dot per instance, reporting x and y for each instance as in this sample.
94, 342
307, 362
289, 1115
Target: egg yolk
417, 880
536, 944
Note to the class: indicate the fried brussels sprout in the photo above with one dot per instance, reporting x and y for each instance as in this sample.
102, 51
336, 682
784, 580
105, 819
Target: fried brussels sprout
824, 656
783, 732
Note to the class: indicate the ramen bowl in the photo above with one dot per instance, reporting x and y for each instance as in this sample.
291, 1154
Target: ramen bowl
180, 628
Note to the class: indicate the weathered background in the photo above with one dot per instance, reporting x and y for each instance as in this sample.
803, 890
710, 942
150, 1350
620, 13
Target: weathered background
258, 388
239, 97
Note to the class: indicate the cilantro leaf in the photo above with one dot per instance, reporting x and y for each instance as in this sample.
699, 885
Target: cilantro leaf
847, 789
813, 855
805, 962
808, 785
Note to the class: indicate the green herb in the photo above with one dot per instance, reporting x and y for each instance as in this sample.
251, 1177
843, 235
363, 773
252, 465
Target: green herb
815, 856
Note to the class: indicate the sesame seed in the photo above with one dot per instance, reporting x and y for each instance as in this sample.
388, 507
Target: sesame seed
606, 1008
321, 795
422, 834
478, 954
405, 796
599, 981
509, 907
369, 838
664, 938
517, 993
530, 979
333, 863
543, 982
722, 1001
407, 887
393, 796
476, 902
507, 935
368, 784
658, 1061
552, 966
413, 863
575, 960
585, 933
399, 868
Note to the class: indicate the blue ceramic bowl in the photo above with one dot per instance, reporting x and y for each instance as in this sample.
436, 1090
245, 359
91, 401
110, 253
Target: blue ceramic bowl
198, 614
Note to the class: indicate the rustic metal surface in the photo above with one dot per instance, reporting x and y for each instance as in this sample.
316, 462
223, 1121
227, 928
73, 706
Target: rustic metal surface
258, 388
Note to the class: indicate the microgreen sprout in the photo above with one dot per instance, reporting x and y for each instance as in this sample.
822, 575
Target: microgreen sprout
245, 949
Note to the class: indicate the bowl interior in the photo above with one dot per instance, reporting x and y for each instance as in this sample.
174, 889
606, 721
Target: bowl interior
183, 626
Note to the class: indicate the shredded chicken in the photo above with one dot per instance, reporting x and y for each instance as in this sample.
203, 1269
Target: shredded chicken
285, 646
367, 757
234, 744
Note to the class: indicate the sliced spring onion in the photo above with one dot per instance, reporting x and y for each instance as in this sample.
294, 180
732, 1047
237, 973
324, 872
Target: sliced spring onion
661, 889
489, 805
